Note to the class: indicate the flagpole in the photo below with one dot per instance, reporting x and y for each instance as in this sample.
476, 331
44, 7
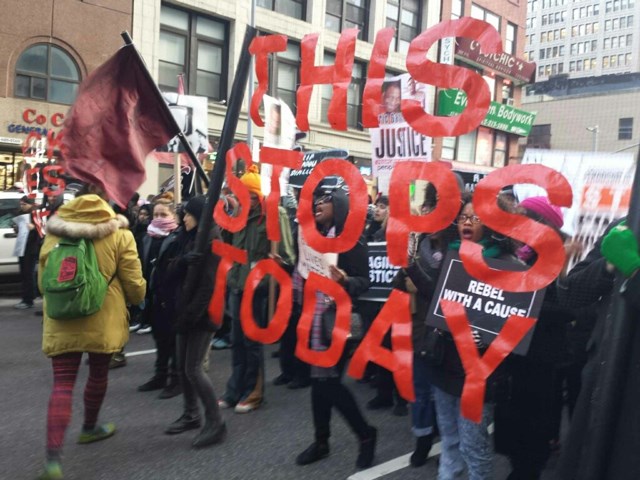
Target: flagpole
236, 98
156, 91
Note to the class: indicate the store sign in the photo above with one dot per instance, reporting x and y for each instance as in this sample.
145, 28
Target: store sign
499, 117
11, 140
36, 122
502, 63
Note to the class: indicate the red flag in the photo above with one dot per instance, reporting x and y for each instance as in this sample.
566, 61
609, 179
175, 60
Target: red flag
114, 123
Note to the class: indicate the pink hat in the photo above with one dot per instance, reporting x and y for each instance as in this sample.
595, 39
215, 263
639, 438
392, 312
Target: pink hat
542, 207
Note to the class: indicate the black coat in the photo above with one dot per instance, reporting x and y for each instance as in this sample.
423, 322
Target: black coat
589, 283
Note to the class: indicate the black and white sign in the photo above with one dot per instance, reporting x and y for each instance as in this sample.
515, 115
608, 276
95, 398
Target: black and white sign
487, 307
309, 161
381, 273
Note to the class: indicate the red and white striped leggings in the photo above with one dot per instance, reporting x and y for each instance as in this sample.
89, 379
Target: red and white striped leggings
65, 371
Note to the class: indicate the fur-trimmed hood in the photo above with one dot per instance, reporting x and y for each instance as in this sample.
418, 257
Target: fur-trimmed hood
87, 216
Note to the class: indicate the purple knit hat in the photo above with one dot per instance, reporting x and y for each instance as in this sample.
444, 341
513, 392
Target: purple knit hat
542, 207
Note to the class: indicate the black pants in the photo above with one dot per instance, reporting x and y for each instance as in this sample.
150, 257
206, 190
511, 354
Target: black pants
191, 348
27, 264
290, 365
330, 392
165, 365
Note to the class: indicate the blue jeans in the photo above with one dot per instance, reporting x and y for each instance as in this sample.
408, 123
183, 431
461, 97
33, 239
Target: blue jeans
422, 415
464, 443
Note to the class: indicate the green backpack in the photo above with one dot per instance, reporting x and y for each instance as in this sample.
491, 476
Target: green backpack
72, 283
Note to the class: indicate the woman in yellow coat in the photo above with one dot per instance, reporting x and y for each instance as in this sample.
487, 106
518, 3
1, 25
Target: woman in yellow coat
100, 335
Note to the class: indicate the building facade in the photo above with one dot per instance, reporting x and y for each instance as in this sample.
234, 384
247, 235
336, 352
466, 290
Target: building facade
203, 41
583, 38
495, 142
46, 49
586, 114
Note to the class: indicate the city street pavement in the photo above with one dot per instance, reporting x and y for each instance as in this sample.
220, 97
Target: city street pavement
260, 445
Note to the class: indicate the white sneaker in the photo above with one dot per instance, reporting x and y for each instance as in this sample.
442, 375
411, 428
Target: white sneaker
144, 330
23, 306
243, 407
223, 404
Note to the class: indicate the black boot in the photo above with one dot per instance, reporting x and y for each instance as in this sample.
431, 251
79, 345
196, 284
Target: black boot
157, 382
210, 435
316, 451
184, 423
421, 454
367, 449
173, 389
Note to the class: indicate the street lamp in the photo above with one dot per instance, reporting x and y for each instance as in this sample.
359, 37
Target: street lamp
595, 130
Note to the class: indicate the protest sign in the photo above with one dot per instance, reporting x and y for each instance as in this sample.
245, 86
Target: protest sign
190, 112
601, 183
487, 307
310, 260
381, 273
395, 140
309, 162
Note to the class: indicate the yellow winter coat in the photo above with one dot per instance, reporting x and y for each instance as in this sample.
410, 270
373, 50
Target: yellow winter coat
106, 331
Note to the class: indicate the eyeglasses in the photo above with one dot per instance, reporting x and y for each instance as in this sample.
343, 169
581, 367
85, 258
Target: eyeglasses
323, 199
462, 218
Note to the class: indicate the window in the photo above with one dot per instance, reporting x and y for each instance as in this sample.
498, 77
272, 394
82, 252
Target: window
404, 16
540, 137
285, 67
342, 14
625, 128
291, 8
196, 46
483, 14
354, 93
457, 9
46, 72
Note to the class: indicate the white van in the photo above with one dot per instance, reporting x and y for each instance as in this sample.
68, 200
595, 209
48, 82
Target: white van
9, 203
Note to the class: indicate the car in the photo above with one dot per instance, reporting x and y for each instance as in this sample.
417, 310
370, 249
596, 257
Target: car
9, 205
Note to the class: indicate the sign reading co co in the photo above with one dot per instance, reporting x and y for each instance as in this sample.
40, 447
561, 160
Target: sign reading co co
30, 115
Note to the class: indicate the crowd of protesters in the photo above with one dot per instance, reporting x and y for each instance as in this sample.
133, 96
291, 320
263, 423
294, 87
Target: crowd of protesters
148, 251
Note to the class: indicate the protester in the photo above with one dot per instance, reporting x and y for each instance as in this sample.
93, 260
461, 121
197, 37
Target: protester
523, 420
327, 390
194, 329
591, 284
419, 279
28, 253
465, 444
386, 392
158, 251
245, 387
101, 334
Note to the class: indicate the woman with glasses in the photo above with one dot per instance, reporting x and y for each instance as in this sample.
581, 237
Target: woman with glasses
465, 444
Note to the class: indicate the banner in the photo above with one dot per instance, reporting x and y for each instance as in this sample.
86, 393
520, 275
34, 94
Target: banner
394, 140
601, 184
381, 273
487, 307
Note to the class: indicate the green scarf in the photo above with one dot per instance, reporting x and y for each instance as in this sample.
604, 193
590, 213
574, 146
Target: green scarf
489, 249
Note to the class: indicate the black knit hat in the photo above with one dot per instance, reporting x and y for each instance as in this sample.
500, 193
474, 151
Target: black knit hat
195, 205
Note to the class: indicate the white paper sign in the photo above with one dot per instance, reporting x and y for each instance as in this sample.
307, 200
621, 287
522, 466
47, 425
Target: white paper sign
311, 261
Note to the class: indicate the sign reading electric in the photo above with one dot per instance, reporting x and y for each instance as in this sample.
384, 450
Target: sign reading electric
36, 122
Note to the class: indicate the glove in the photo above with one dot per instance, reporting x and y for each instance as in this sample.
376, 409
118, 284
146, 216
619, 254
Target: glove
620, 248
142, 304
